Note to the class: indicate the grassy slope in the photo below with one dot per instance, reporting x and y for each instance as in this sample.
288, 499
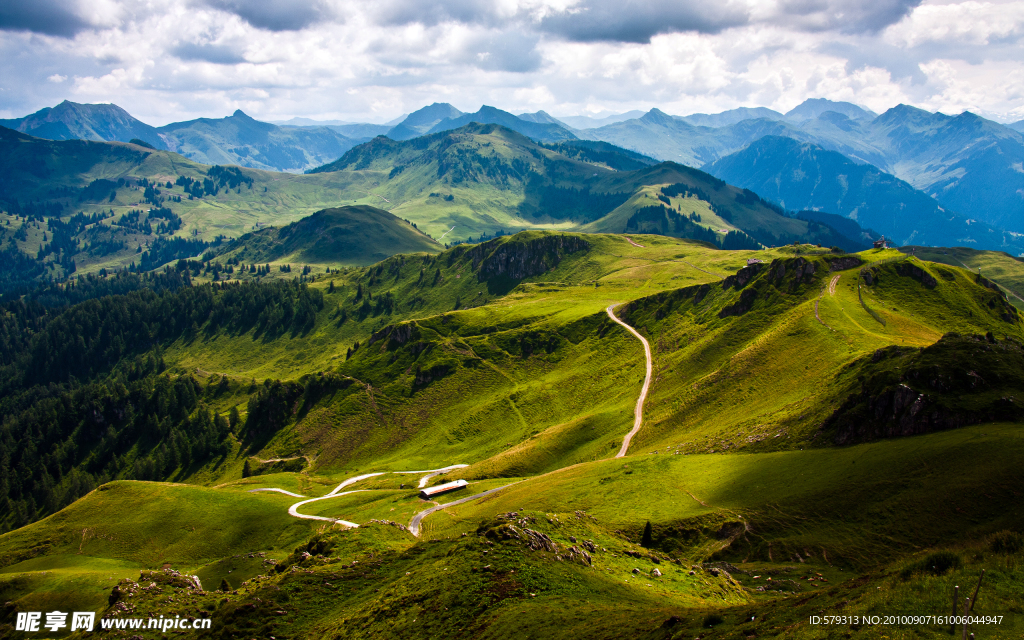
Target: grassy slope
350, 235
470, 194
1000, 267
513, 416
496, 178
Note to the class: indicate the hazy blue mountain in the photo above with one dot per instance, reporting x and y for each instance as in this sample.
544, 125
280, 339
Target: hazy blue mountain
966, 162
540, 117
805, 176
347, 129
588, 122
540, 131
814, 107
361, 130
1017, 126
666, 137
731, 116
308, 122
420, 122
73, 121
239, 139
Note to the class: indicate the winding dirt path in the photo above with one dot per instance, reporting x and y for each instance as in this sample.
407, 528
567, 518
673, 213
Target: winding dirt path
414, 526
287, 493
337, 493
638, 412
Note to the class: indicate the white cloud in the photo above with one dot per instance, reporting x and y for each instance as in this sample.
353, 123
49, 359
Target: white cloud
973, 23
373, 61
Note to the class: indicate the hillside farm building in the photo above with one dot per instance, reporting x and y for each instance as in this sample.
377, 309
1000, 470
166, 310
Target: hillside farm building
430, 492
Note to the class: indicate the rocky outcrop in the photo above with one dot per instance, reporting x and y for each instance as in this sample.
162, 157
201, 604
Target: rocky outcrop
842, 263
908, 269
395, 335
743, 276
516, 259
741, 306
957, 382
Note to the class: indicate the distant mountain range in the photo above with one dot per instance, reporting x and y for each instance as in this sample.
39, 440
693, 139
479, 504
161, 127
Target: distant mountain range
73, 121
967, 164
800, 176
919, 163
237, 139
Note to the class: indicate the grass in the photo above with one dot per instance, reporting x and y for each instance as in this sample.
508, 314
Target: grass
151, 524
998, 266
534, 383
856, 506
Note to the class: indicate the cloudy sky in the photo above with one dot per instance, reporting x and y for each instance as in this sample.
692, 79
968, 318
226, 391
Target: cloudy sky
168, 60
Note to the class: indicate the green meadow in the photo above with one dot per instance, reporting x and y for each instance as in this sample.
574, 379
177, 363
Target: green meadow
775, 484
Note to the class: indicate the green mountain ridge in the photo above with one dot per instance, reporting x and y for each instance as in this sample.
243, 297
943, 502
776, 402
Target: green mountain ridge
483, 178
351, 235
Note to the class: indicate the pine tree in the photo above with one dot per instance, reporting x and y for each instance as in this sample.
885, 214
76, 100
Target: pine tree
224, 585
645, 541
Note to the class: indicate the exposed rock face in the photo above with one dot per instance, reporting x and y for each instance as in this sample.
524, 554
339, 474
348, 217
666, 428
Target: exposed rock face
516, 260
743, 276
741, 306
512, 526
842, 263
957, 382
395, 334
908, 269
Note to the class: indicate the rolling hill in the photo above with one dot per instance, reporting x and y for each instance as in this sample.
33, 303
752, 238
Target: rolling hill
141, 208
81, 207
351, 235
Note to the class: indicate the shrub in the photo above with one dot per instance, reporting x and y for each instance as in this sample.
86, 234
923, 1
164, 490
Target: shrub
941, 562
1006, 542
712, 619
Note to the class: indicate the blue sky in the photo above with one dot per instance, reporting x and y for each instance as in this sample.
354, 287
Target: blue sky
178, 59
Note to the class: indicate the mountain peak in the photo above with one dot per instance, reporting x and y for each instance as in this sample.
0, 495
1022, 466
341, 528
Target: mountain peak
904, 114
657, 116
813, 107
240, 114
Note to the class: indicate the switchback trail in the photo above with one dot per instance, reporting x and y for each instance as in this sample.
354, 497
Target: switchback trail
638, 412
414, 526
337, 493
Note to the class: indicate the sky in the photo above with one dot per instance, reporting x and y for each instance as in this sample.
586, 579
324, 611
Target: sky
173, 60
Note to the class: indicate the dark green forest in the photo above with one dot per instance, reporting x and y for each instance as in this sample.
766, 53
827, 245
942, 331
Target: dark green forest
83, 387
